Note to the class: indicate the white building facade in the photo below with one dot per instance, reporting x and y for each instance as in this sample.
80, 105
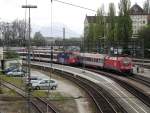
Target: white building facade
139, 18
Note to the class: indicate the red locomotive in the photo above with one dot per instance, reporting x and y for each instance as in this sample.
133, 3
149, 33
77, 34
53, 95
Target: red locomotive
68, 58
121, 64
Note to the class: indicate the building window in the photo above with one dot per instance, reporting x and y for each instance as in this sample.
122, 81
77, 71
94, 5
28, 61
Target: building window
143, 22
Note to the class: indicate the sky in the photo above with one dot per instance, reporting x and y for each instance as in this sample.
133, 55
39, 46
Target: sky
62, 14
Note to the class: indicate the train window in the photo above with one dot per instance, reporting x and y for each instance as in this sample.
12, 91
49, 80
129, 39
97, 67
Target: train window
87, 59
55, 57
97, 60
84, 58
91, 59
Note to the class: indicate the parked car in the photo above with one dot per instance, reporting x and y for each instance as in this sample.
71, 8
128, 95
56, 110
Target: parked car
33, 79
45, 84
9, 69
16, 73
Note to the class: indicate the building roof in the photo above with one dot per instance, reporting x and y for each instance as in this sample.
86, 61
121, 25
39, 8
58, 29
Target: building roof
137, 10
134, 10
91, 19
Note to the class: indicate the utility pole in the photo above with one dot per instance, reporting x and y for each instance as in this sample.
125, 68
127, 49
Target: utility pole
64, 39
63, 44
142, 70
29, 60
83, 64
51, 59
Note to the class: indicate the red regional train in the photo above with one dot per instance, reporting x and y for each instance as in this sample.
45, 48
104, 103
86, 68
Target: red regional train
117, 63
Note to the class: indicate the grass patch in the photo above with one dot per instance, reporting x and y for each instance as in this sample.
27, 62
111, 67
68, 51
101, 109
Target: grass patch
54, 96
14, 80
57, 96
39, 93
9, 92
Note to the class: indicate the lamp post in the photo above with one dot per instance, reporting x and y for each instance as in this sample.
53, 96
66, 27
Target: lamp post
29, 60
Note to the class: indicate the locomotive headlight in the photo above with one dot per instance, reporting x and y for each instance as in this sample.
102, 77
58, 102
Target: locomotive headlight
126, 61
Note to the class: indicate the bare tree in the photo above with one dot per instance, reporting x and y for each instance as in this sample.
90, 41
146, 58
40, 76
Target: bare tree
13, 33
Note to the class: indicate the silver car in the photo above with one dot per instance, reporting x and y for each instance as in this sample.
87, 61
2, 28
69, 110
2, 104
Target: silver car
45, 84
33, 79
15, 73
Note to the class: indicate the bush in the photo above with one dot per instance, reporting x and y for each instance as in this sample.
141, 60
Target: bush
11, 54
1, 90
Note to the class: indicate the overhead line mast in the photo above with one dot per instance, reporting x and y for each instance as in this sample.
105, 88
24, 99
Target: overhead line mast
29, 59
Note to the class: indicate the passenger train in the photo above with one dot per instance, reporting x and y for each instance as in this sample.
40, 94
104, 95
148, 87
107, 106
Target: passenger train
117, 63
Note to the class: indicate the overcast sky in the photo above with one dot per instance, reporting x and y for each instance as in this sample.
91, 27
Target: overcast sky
70, 16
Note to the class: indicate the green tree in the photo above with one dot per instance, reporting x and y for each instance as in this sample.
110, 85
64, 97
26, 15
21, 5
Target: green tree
38, 39
144, 35
10, 54
111, 23
124, 26
146, 6
99, 27
90, 38
100, 23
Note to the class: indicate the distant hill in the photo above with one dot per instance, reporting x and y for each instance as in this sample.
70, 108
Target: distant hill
57, 31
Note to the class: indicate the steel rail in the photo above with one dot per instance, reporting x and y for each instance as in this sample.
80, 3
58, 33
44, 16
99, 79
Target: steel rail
128, 86
33, 101
141, 79
99, 95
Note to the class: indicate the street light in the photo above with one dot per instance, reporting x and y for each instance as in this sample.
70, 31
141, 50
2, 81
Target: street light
29, 49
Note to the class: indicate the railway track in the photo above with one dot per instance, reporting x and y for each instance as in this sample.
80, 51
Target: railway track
136, 91
128, 86
41, 105
141, 79
104, 102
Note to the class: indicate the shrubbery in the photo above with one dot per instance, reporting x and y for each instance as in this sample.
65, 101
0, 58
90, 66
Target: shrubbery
10, 54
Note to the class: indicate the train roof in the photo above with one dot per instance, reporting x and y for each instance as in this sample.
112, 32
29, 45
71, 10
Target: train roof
92, 55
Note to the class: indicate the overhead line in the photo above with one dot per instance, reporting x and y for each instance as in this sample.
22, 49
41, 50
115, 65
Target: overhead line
74, 5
